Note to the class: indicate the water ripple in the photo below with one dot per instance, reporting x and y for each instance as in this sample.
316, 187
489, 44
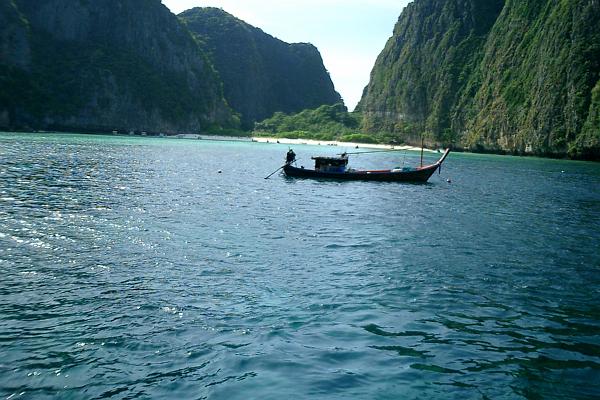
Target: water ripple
130, 268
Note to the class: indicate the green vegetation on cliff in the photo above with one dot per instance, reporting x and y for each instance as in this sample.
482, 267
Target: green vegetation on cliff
541, 62
425, 65
514, 75
588, 143
261, 74
323, 123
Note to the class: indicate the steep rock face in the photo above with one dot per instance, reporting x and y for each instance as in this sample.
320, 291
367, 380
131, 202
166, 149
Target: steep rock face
15, 55
541, 62
14, 37
588, 143
261, 74
514, 75
426, 64
114, 64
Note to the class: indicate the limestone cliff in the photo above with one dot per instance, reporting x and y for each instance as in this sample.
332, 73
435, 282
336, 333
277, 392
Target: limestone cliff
110, 64
14, 37
15, 55
491, 75
261, 74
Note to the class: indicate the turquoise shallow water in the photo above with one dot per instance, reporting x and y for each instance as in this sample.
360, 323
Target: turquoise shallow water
130, 268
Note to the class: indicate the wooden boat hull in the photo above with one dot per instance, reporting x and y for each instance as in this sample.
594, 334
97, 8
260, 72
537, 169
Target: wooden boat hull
418, 175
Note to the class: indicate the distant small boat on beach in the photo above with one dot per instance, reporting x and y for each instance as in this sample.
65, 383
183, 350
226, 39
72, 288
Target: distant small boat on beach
336, 168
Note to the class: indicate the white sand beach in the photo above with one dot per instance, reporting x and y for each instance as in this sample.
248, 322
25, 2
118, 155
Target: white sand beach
339, 144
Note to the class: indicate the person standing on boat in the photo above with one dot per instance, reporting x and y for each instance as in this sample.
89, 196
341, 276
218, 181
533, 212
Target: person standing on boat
290, 157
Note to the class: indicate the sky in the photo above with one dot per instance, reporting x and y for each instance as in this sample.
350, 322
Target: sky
350, 34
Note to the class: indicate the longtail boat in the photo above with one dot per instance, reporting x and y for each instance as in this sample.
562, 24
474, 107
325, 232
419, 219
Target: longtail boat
336, 168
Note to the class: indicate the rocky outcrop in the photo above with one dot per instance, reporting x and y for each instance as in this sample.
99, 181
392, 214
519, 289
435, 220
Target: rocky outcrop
261, 74
505, 76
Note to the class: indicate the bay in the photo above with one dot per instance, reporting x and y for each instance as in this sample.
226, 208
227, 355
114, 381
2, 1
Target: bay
154, 268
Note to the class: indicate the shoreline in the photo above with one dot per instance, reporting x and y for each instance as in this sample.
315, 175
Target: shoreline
273, 140
333, 143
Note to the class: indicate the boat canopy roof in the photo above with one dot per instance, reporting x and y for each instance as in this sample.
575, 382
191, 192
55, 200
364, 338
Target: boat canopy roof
331, 162
331, 158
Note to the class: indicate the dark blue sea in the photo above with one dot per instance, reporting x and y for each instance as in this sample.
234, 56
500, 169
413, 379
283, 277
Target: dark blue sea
131, 268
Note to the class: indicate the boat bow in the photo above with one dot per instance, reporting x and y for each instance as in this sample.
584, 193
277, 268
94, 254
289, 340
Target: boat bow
441, 160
